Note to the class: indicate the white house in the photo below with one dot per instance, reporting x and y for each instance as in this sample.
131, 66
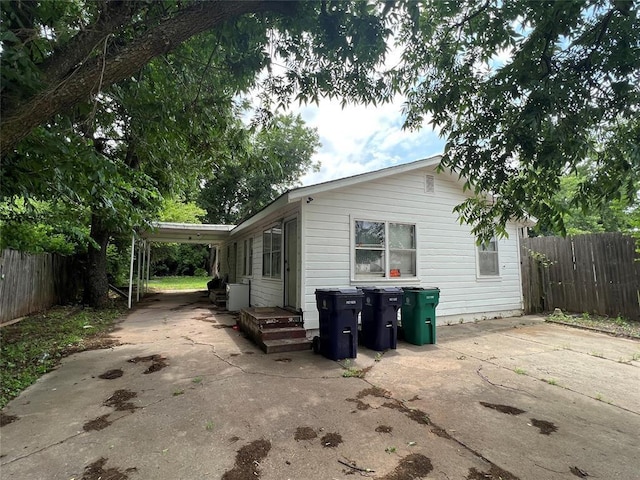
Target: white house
391, 227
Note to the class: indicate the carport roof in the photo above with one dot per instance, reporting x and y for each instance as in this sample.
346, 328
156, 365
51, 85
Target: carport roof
170, 232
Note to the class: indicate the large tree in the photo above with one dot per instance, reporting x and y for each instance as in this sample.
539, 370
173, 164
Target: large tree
270, 161
524, 91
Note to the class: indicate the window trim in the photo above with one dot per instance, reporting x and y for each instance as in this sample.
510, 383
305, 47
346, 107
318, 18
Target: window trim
269, 231
385, 278
247, 257
479, 252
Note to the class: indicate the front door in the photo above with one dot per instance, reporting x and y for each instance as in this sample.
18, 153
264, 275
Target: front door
291, 263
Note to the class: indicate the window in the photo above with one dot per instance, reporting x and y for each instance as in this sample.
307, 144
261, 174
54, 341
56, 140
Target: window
384, 249
271, 241
488, 258
247, 258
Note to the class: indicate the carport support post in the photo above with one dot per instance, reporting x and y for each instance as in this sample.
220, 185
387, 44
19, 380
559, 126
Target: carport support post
146, 285
144, 264
133, 250
138, 279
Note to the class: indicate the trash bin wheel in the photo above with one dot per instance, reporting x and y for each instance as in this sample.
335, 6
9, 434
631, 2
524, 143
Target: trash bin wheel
316, 344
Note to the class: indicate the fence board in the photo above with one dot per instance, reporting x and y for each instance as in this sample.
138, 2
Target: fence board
597, 273
30, 283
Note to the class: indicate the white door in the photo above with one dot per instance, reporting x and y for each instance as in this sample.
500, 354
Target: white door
291, 263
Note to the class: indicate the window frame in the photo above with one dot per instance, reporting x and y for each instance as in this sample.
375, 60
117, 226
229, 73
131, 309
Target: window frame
247, 257
274, 255
495, 253
386, 250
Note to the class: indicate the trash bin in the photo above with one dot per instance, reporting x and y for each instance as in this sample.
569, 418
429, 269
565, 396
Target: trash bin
338, 309
380, 317
419, 314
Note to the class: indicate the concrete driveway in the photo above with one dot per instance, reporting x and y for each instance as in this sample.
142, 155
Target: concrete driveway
184, 397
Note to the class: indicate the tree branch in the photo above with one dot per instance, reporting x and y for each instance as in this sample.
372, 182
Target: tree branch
21, 119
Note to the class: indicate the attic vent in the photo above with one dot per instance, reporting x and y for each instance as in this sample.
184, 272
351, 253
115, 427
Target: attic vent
429, 184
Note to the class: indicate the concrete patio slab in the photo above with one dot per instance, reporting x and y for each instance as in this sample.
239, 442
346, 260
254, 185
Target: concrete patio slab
212, 405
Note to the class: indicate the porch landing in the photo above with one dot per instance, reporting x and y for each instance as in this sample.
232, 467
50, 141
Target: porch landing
274, 329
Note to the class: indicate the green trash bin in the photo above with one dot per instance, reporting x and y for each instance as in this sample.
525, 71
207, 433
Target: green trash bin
419, 314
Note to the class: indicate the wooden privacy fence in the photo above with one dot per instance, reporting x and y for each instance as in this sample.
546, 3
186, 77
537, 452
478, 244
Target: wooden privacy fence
34, 282
598, 273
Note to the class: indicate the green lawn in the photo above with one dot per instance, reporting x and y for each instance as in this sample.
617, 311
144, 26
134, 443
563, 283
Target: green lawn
35, 345
179, 283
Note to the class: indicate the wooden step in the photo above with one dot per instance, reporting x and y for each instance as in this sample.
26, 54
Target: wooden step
282, 332
285, 345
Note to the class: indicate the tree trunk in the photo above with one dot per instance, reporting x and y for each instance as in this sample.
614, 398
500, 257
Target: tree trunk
89, 77
96, 285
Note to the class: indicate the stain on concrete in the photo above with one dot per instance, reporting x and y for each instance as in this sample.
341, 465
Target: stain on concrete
305, 433
111, 374
494, 473
97, 423
331, 440
158, 362
6, 419
119, 401
414, 414
410, 467
248, 460
384, 429
507, 409
96, 471
546, 428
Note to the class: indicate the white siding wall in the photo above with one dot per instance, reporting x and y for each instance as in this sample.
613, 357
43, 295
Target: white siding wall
447, 254
264, 292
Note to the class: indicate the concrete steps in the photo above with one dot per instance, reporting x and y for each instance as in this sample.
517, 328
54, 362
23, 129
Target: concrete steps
274, 330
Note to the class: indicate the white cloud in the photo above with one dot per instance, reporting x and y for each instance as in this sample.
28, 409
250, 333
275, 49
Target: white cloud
359, 139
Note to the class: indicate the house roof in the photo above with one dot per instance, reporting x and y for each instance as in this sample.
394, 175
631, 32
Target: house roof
170, 232
301, 192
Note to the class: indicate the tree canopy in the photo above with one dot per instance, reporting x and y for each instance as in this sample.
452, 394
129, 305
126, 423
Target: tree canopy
107, 105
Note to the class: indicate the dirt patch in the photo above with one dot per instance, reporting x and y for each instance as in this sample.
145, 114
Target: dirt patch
111, 374
494, 473
7, 419
414, 398
410, 467
233, 439
234, 354
221, 325
360, 405
249, 353
283, 360
96, 471
414, 414
119, 401
248, 460
509, 410
546, 428
305, 433
97, 423
331, 440
441, 432
384, 429
158, 362
96, 342
374, 392
578, 472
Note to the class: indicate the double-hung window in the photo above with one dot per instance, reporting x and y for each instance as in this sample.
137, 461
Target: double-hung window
271, 252
384, 249
488, 263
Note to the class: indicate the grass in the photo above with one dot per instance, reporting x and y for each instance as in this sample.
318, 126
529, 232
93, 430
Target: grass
550, 381
617, 325
520, 371
178, 283
34, 346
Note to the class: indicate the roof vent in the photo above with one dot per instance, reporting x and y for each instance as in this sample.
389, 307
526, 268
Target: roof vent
429, 184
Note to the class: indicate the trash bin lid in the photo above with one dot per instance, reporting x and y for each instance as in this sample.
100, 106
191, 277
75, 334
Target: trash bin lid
383, 289
340, 291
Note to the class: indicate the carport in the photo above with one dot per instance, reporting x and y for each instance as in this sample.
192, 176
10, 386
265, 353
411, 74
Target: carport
168, 232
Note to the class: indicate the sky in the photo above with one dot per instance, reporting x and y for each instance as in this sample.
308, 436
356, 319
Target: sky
360, 139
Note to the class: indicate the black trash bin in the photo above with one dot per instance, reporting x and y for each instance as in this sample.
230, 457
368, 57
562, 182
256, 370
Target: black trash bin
380, 317
338, 309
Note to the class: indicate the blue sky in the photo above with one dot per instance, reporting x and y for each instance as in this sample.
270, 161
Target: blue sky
360, 139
